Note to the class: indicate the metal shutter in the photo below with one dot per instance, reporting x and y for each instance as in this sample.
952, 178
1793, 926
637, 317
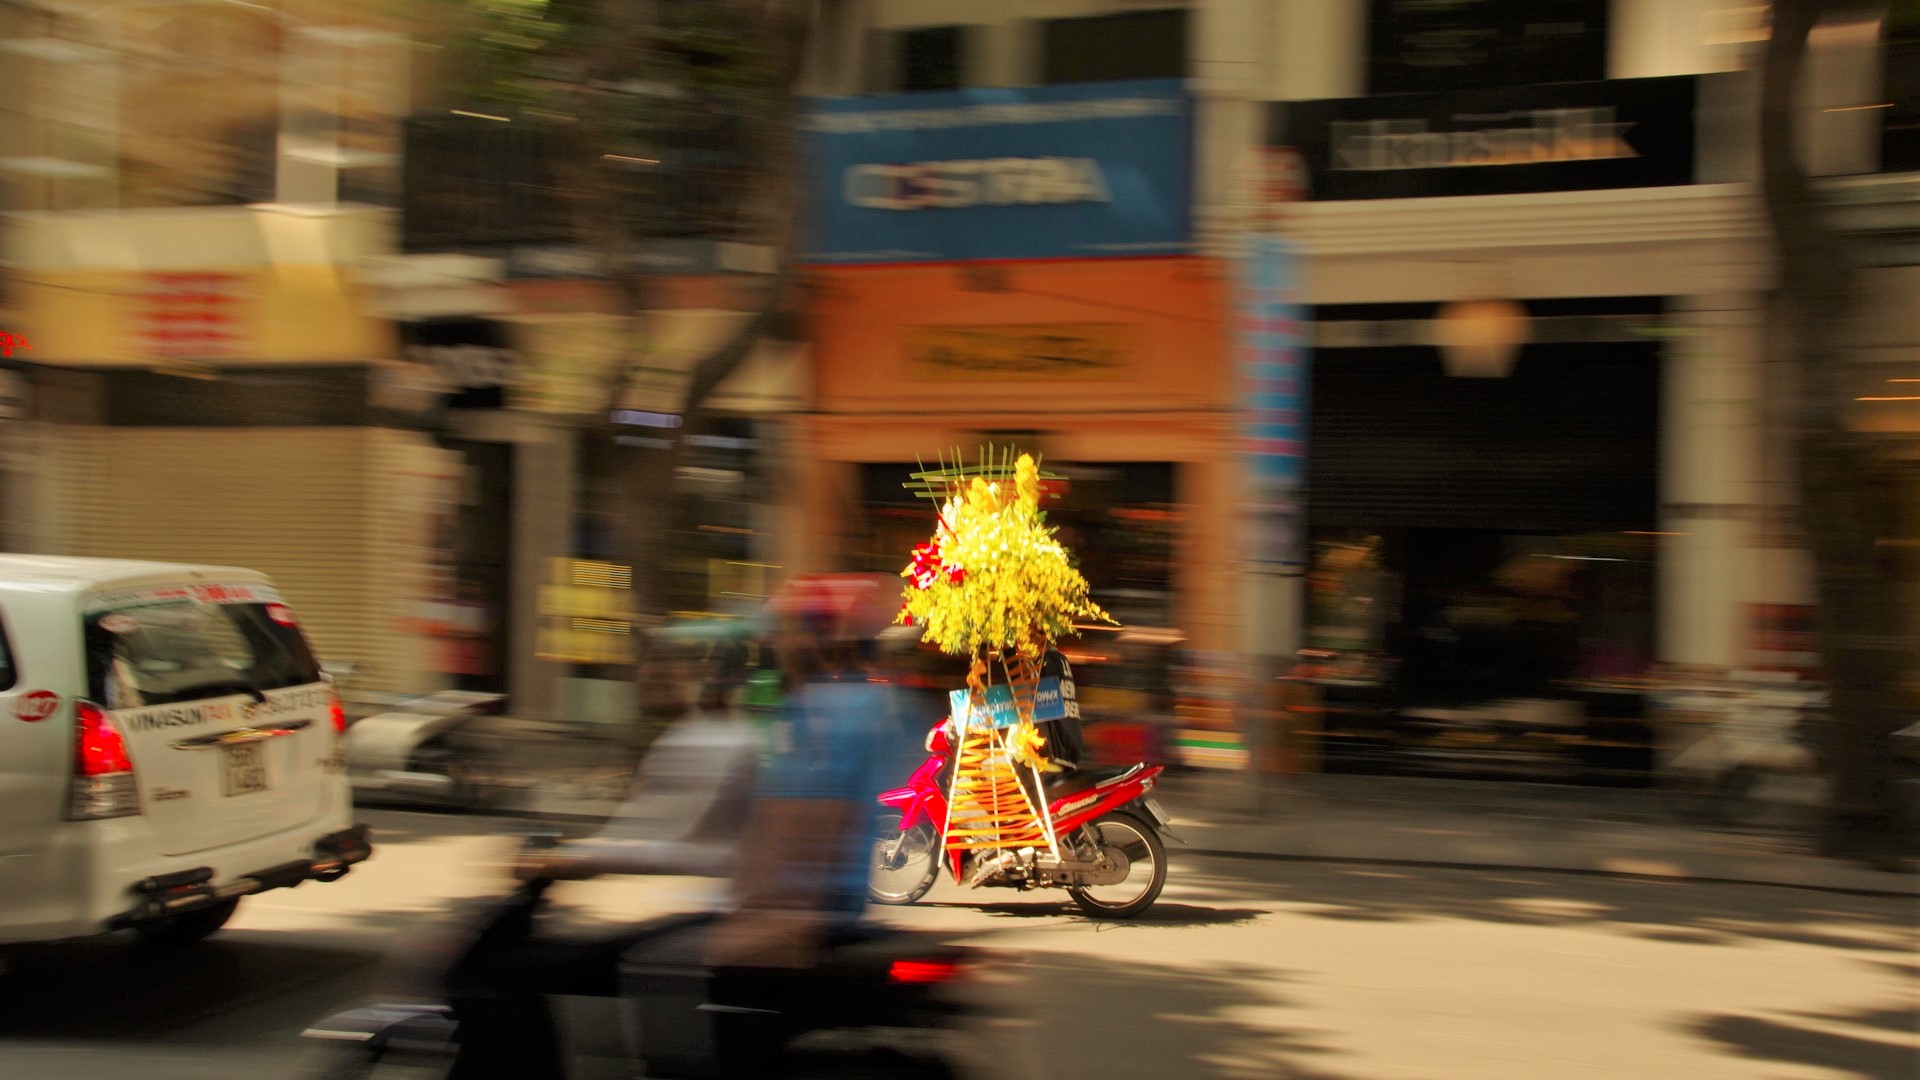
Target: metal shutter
340, 517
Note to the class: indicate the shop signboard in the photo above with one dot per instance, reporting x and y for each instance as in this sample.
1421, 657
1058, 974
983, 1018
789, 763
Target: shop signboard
1040, 352
193, 315
1495, 141
1271, 348
471, 358
586, 613
1079, 171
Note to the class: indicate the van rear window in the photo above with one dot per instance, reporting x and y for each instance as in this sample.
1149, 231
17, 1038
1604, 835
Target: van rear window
157, 652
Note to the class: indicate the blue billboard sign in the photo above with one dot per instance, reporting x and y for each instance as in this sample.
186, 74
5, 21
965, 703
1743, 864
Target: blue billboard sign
1081, 171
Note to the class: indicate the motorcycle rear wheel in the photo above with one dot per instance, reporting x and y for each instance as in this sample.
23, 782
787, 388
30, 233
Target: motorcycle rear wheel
917, 856
1140, 843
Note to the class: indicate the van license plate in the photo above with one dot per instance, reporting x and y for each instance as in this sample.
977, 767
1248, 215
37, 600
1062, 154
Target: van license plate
245, 769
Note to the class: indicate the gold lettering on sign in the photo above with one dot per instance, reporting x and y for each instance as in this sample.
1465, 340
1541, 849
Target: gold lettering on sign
1027, 353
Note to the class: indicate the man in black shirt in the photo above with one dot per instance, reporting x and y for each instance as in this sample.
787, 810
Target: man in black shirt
1065, 745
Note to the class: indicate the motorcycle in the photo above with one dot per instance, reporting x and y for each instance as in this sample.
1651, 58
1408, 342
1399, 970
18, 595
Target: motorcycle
1759, 752
435, 750
875, 992
1110, 858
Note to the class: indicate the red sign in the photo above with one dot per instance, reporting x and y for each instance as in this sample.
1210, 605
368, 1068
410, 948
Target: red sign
281, 614
221, 594
188, 316
37, 705
10, 342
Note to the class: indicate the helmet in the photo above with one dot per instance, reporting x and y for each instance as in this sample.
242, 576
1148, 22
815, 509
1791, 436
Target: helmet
854, 608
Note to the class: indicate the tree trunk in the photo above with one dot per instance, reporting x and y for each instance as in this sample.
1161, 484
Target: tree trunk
1845, 499
652, 515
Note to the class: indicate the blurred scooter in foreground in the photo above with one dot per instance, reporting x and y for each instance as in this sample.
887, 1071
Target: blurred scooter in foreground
727, 990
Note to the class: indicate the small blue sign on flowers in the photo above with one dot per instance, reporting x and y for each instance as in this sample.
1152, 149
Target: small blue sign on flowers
1048, 704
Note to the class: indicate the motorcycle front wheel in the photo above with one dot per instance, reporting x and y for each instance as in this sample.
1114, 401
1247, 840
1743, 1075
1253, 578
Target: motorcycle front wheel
904, 863
1137, 842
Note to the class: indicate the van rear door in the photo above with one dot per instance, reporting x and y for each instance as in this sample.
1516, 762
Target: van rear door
222, 707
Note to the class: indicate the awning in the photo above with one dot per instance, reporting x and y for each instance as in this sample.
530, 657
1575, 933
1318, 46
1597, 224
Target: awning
194, 286
195, 238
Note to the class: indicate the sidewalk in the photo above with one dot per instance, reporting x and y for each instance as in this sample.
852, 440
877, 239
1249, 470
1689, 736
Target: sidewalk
1435, 822
1507, 824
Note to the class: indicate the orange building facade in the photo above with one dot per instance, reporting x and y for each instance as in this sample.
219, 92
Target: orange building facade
1115, 370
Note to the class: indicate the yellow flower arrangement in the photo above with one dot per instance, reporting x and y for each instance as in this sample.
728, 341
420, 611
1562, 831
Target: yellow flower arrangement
993, 577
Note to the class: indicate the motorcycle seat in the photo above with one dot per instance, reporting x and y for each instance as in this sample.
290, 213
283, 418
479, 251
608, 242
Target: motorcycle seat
1080, 779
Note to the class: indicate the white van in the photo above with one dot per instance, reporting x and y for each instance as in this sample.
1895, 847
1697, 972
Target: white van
168, 745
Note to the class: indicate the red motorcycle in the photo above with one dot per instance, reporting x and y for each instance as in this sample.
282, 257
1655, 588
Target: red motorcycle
1110, 856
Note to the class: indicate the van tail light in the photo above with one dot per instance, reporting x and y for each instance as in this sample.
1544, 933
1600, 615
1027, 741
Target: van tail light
337, 713
103, 782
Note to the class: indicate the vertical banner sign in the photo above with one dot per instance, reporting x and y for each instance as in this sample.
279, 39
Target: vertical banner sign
1273, 385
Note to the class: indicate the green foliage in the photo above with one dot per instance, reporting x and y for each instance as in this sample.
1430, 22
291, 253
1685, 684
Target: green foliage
500, 54
532, 54
659, 116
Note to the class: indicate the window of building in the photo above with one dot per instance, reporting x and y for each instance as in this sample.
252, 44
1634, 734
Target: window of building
1419, 46
1134, 45
930, 58
1900, 133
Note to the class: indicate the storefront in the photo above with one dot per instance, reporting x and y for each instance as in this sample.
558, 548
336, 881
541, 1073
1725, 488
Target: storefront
1537, 461
201, 387
1011, 267
1497, 534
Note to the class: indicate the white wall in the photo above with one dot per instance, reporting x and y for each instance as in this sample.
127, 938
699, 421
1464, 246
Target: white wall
1650, 38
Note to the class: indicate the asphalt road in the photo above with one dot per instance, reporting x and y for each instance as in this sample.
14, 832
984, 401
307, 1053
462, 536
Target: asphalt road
1246, 969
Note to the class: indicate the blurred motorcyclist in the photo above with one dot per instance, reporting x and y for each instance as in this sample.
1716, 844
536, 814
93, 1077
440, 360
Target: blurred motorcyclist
805, 858
688, 806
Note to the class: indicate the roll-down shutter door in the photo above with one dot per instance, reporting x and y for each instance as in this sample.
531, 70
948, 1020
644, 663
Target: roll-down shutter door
1568, 443
338, 516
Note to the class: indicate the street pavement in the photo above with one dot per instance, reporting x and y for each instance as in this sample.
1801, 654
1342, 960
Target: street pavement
1249, 967
1441, 822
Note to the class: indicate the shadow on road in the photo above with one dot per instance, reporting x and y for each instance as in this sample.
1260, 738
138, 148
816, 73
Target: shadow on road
113, 989
1160, 914
243, 983
1145, 1019
1678, 911
1851, 1053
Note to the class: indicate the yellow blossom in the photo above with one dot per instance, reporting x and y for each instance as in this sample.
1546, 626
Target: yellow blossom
1017, 586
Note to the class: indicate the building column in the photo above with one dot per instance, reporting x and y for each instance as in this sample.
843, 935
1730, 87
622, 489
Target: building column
1712, 473
1205, 564
818, 491
545, 486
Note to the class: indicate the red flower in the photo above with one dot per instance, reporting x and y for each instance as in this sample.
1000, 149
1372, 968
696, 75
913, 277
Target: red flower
926, 565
